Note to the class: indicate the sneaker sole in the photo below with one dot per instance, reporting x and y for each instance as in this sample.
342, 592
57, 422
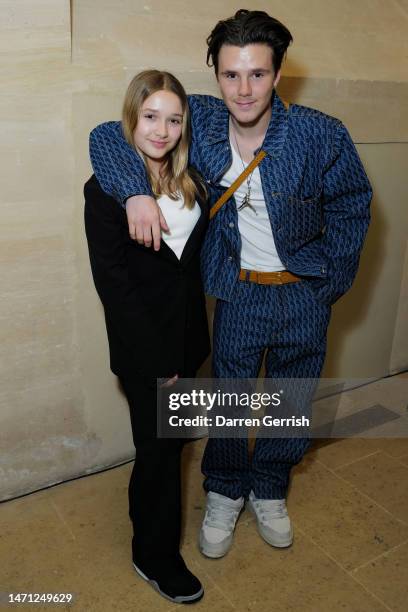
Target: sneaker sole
275, 541
186, 599
213, 554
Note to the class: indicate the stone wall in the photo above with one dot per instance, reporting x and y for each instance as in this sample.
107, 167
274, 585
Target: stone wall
65, 68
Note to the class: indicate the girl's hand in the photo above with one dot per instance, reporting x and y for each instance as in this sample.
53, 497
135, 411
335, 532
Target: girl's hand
145, 220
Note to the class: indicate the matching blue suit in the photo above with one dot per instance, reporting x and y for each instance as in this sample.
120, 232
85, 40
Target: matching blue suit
317, 196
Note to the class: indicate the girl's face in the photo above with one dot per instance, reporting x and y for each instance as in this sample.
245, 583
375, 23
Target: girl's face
159, 126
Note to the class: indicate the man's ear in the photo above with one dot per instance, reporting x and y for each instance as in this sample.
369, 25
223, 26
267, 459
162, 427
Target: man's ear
277, 78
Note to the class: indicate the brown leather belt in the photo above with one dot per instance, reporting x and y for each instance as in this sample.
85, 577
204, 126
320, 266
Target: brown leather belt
268, 278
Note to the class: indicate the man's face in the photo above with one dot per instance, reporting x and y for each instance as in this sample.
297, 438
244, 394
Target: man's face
246, 79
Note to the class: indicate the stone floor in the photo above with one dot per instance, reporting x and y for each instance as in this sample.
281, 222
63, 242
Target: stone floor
348, 501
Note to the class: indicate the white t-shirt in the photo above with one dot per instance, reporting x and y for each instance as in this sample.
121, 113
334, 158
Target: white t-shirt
181, 221
258, 246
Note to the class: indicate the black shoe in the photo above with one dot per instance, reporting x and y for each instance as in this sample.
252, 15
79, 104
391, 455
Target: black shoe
174, 582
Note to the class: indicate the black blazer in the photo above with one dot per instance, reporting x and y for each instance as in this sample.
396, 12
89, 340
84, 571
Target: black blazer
154, 303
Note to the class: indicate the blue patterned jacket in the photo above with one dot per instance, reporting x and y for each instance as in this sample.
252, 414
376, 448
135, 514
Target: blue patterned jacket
315, 187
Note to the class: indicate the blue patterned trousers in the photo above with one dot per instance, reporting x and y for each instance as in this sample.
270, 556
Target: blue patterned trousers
290, 324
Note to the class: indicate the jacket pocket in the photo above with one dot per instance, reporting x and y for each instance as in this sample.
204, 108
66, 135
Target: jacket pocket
301, 220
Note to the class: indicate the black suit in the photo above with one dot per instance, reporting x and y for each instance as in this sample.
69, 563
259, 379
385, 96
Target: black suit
157, 327
154, 303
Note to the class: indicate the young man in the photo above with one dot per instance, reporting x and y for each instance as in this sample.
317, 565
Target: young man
277, 255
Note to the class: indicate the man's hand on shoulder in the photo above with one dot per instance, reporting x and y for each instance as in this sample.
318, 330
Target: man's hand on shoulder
145, 220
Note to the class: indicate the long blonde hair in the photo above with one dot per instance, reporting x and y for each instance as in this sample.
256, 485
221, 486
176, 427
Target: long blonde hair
175, 177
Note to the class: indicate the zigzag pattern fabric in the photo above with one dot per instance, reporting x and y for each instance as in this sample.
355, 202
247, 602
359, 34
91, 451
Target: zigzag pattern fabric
289, 324
315, 187
317, 196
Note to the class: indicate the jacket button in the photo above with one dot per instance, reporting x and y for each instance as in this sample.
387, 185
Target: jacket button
230, 258
231, 225
323, 270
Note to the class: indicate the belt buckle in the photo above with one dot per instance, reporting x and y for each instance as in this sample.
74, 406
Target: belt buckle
279, 280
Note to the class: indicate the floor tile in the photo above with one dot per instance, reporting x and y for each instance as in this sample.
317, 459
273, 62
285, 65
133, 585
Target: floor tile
384, 479
214, 600
95, 510
387, 577
395, 447
35, 546
403, 459
349, 527
336, 453
259, 578
348, 502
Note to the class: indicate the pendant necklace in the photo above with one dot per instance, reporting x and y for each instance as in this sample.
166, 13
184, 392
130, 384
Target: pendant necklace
246, 202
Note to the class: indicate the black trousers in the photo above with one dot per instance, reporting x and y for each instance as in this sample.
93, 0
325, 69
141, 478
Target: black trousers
155, 483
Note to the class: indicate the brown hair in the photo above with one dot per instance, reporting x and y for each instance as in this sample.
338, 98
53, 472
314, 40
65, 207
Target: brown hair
248, 28
175, 177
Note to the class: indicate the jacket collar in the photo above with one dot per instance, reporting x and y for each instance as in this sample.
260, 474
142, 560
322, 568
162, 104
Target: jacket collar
195, 239
218, 128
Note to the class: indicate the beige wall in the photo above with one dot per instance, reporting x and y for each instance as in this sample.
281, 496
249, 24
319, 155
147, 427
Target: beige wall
65, 67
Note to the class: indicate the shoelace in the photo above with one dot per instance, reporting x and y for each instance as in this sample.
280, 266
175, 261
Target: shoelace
271, 509
220, 516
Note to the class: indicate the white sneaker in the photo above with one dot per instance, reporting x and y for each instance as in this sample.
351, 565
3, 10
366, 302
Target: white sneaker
219, 523
273, 521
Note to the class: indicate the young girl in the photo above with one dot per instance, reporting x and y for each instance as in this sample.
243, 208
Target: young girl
155, 315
